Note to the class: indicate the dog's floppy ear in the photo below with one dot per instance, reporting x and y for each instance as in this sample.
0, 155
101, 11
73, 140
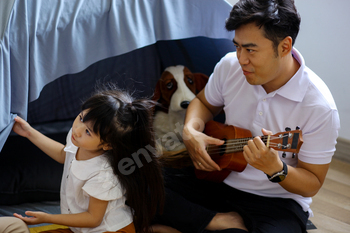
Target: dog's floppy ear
157, 92
200, 81
157, 96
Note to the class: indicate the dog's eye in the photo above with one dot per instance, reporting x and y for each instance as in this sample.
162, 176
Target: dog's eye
169, 85
189, 80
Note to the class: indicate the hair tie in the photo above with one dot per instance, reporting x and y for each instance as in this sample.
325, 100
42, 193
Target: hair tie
133, 110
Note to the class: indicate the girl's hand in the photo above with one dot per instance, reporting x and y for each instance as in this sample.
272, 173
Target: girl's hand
36, 217
21, 127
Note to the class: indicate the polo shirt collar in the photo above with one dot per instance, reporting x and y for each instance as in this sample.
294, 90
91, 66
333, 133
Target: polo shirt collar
295, 89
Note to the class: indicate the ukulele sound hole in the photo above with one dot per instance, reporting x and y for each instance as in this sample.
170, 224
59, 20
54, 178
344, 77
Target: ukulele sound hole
222, 148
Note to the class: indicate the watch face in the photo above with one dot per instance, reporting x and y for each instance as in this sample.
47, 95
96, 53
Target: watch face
282, 177
279, 176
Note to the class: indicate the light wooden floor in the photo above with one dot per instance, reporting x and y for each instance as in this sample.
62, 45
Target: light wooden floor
331, 205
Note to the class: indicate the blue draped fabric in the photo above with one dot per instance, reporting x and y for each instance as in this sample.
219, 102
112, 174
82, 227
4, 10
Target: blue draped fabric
42, 40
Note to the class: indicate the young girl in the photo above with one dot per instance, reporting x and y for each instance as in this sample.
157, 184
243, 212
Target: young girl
100, 174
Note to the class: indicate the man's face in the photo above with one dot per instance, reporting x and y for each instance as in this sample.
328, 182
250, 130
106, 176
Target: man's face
257, 57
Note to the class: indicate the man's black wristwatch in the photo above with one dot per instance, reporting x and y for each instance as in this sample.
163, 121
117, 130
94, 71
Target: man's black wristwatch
279, 176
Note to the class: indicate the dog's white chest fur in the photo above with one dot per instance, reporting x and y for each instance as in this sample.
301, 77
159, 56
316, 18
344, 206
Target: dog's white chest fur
168, 130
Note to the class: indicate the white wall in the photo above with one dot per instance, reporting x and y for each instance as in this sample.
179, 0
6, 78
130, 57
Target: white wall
324, 43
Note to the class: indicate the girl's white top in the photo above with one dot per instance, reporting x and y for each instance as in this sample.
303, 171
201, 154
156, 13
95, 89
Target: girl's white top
83, 179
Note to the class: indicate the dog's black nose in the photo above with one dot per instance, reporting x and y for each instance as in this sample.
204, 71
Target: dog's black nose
184, 104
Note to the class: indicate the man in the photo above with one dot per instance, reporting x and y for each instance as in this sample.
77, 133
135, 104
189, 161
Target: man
263, 85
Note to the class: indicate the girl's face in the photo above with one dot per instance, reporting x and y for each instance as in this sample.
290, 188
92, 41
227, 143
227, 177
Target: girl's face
83, 137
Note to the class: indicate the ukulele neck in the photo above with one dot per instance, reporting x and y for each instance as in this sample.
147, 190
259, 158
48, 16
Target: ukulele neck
236, 145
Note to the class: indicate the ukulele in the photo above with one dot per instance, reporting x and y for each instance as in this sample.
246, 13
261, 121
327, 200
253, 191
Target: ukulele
229, 156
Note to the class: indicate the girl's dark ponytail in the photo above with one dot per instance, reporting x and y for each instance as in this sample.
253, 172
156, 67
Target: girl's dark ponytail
145, 189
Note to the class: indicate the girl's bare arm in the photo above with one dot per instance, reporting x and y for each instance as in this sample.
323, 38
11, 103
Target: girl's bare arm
51, 147
90, 219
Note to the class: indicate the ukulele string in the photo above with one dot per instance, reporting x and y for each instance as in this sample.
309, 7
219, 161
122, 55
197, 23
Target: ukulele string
232, 148
239, 143
263, 138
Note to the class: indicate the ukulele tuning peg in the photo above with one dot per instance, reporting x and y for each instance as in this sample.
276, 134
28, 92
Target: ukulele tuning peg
287, 129
297, 128
293, 155
284, 154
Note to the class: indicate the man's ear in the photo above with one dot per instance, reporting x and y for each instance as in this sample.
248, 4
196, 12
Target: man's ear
286, 46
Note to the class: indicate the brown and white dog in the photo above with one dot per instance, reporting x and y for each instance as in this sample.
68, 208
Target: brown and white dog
174, 91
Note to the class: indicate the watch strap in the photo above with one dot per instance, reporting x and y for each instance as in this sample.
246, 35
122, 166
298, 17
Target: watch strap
279, 176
